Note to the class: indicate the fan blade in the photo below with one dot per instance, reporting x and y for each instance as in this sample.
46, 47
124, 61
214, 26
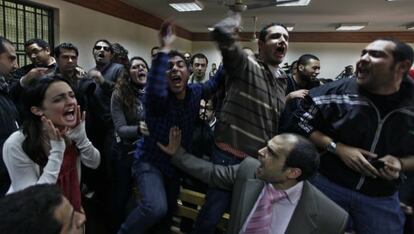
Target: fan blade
268, 4
260, 5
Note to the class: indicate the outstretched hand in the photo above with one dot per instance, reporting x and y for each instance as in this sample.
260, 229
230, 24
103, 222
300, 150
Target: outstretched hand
174, 142
231, 23
167, 34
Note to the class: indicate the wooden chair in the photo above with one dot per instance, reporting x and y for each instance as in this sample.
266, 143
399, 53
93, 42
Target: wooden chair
198, 199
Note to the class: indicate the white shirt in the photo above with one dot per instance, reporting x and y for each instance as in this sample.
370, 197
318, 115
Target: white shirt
192, 79
282, 210
24, 172
275, 71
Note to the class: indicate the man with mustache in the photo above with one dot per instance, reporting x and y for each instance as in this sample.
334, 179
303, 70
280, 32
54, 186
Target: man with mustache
67, 66
250, 110
365, 125
43, 62
298, 85
304, 78
199, 64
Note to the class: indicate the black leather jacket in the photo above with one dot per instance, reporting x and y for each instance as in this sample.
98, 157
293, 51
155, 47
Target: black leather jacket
345, 112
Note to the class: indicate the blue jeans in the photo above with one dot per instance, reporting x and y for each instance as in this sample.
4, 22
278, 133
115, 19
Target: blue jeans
157, 201
217, 200
376, 215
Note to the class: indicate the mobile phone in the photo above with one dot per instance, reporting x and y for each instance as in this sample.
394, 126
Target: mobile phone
378, 164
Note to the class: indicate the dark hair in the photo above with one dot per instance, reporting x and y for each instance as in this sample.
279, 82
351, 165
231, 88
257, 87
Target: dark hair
31, 210
304, 59
66, 46
107, 42
139, 58
3, 40
153, 49
39, 42
124, 89
402, 50
292, 66
120, 53
304, 156
174, 53
200, 56
32, 125
263, 32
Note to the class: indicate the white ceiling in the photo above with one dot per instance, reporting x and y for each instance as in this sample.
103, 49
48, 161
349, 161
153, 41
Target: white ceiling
319, 16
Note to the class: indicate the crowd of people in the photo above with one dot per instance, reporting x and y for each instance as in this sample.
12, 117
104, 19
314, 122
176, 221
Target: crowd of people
281, 151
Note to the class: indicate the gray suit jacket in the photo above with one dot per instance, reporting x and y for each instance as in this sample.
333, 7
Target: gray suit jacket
315, 213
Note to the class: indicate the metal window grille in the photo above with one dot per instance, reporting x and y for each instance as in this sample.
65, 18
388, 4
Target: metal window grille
21, 21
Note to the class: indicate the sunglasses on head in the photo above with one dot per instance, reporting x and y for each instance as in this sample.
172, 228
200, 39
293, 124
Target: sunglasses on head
106, 48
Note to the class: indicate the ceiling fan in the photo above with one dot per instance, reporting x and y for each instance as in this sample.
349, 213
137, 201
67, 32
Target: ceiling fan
240, 6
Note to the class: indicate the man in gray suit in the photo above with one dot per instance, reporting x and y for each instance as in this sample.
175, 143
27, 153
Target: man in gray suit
286, 163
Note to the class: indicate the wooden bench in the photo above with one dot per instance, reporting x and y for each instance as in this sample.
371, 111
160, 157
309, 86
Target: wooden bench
195, 198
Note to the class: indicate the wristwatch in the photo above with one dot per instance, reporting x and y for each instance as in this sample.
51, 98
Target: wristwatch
331, 147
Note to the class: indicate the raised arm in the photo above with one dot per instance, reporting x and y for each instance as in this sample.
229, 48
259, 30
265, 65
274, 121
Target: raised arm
235, 61
157, 86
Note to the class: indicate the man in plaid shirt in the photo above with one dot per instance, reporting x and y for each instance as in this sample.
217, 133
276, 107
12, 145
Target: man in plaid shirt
169, 102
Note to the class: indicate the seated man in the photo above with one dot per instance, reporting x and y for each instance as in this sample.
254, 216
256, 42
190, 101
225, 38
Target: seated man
40, 209
272, 194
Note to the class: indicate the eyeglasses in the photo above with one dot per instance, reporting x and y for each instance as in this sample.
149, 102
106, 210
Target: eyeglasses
106, 48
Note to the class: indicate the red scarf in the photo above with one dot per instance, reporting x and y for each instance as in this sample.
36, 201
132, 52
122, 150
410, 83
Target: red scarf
68, 179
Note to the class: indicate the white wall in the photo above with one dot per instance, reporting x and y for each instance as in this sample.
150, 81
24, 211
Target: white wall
82, 27
334, 56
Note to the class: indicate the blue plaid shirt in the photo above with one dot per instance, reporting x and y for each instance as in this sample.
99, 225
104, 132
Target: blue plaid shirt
163, 111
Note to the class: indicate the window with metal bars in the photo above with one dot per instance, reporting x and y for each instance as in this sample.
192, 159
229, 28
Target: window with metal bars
21, 21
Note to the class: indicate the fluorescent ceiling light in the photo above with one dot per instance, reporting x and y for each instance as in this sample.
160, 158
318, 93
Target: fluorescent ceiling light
298, 3
350, 27
410, 26
290, 27
186, 5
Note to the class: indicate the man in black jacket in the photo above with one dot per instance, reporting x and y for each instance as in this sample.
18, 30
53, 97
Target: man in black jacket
67, 66
366, 127
8, 111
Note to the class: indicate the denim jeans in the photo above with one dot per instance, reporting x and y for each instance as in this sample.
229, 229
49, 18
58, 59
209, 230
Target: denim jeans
157, 201
217, 200
376, 215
